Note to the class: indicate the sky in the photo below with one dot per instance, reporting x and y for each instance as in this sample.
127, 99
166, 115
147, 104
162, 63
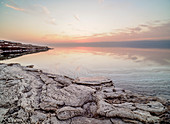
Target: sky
62, 21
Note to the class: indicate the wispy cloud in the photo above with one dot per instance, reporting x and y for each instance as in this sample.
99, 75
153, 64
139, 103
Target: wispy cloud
77, 17
65, 37
15, 8
45, 11
140, 32
153, 30
37, 10
51, 20
136, 29
142, 25
54, 37
42, 9
101, 1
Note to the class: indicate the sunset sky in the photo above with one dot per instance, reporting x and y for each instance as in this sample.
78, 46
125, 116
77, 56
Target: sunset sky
54, 21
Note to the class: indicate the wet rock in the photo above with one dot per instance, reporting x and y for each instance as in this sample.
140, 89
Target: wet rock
29, 66
31, 69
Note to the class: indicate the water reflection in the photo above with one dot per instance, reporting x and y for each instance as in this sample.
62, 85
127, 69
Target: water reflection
140, 70
81, 60
161, 56
10, 55
4, 56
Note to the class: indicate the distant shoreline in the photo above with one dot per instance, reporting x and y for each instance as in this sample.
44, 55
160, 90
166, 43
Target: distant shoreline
10, 49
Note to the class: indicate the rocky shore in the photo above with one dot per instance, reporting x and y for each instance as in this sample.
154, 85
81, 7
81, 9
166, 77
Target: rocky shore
12, 49
31, 96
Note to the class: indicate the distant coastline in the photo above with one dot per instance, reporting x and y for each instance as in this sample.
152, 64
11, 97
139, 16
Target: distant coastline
10, 49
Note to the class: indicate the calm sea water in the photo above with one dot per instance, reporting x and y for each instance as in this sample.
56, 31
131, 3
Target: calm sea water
145, 71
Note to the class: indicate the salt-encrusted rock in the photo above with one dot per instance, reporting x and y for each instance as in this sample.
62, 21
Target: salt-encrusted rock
152, 107
90, 109
50, 105
64, 80
145, 117
94, 82
108, 110
129, 121
38, 117
3, 111
46, 79
73, 95
28, 95
118, 121
127, 105
68, 112
23, 114
85, 120
53, 120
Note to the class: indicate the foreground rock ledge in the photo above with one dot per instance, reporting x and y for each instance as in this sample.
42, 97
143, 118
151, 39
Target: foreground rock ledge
28, 95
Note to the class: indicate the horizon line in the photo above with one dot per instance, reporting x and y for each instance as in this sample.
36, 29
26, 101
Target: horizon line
131, 44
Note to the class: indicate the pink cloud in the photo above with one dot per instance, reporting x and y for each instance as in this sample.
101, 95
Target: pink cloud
140, 32
15, 8
34, 10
